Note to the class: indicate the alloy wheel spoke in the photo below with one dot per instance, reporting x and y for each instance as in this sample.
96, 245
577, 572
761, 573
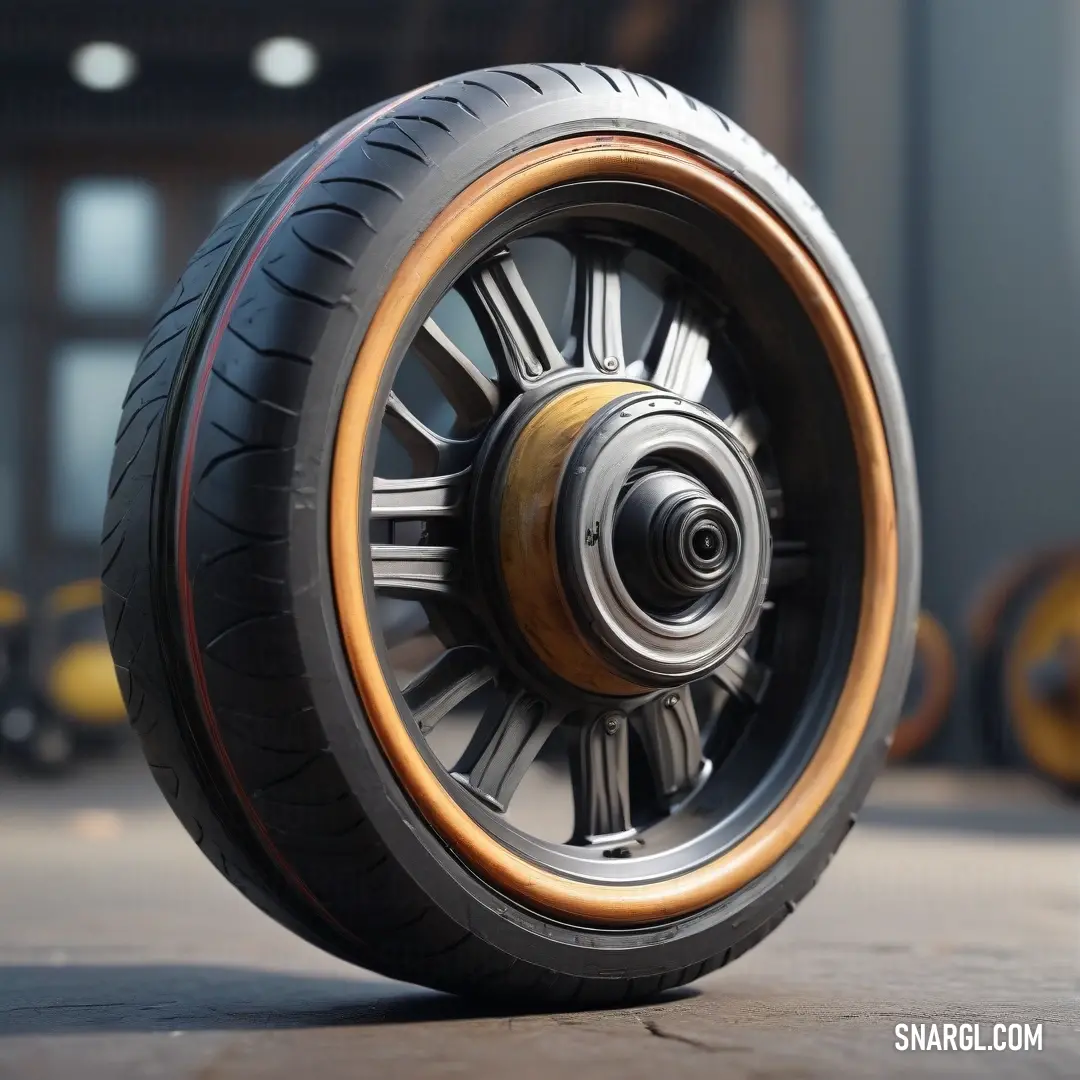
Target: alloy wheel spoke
600, 771
416, 571
510, 734
418, 498
472, 395
791, 564
596, 341
714, 700
742, 677
678, 352
447, 682
750, 427
428, 451
774, 503
513, 328
668, 728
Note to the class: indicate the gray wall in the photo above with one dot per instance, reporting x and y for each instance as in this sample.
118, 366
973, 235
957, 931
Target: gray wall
943, 142
1000, 441
855, 119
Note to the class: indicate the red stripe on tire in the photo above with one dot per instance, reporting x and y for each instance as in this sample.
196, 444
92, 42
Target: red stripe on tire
187, 608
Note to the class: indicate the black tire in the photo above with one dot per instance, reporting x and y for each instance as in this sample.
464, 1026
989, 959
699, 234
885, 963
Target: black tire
286, 790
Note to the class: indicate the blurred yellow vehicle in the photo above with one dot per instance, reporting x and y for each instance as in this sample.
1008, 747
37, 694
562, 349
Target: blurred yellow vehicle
64, 691
12, 643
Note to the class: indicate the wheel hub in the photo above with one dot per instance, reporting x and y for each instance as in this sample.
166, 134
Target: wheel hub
1056, 679
673, 540
631, 536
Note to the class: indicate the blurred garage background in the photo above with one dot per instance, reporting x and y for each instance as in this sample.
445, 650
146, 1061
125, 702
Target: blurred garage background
942, 139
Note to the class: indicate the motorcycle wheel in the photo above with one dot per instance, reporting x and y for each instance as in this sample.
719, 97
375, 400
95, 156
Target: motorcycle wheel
530, 434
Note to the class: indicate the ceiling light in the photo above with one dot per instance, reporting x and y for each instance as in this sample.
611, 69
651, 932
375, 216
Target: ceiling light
284, 61
103, 65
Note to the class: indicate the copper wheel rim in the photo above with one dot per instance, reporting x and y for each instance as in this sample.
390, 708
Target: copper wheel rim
534, 886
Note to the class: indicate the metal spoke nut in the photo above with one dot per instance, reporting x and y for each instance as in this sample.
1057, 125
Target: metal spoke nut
612, 723
610, 363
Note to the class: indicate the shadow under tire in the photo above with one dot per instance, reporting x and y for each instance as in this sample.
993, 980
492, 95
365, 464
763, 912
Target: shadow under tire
258, 550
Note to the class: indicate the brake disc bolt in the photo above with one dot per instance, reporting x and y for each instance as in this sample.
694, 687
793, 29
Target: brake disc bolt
610, 363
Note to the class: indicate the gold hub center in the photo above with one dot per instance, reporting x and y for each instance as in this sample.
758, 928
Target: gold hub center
527, 538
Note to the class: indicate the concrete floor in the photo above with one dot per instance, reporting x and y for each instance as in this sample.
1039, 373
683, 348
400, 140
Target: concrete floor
123, 954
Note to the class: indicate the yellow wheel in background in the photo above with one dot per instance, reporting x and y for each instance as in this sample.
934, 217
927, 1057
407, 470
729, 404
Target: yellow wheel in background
932, 688
1042, 679
1001, 593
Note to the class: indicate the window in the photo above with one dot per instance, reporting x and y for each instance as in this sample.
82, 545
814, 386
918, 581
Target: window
109, 241
92, 236
89, 381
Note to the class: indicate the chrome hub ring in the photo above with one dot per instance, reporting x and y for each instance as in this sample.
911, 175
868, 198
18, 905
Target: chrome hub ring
666, 599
